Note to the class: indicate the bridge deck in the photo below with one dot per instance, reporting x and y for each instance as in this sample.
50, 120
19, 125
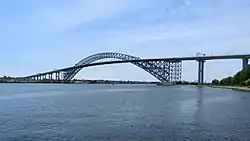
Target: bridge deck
153, 59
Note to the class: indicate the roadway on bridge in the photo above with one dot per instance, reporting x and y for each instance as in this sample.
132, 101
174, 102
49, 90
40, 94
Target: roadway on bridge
242, 56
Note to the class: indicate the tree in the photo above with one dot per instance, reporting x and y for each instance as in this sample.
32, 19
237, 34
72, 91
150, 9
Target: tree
247, 82
215, 82
227, 81
237, 78
240, 78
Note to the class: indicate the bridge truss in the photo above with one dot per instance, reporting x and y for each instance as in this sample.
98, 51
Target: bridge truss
164, 70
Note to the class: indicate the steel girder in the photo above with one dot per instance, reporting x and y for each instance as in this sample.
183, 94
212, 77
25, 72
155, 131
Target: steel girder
165, 71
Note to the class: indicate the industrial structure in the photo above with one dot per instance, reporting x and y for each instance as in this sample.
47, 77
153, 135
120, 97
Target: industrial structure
163, 69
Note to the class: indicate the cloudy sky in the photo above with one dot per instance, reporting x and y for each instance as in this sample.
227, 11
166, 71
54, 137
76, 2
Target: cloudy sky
42, 35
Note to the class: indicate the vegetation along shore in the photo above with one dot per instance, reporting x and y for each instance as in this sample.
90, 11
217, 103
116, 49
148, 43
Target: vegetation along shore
240, 81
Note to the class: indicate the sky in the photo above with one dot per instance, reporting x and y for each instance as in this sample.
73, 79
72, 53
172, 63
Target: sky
42, 35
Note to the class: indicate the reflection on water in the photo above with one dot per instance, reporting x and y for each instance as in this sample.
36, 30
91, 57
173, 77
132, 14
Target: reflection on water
200, 97
122, 112
198, 116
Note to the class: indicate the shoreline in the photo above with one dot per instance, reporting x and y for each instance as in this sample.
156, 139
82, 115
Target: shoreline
236, 88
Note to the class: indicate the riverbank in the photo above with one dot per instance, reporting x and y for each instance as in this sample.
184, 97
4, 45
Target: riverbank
237, 88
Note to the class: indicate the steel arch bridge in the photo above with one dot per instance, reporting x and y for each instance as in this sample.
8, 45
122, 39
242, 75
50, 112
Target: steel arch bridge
163, 70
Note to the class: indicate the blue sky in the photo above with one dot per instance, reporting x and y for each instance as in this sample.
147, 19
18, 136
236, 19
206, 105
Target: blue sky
42, 35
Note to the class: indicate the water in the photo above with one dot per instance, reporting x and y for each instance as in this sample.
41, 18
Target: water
122, 112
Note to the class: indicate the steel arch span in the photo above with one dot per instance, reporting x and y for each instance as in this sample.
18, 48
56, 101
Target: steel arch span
164, 71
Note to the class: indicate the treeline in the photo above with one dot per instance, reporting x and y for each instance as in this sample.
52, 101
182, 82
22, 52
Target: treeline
240, 78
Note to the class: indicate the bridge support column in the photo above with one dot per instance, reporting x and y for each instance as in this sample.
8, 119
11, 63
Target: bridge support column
58, 76
201, 71
50, 76
44, 77
244, 63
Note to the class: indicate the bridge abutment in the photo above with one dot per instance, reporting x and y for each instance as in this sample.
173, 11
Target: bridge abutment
245, 62
201, 71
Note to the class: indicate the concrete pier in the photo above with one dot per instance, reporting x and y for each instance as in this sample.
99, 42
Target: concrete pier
245, 63
201, 71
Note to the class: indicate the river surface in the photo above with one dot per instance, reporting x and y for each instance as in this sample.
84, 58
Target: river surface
122, 112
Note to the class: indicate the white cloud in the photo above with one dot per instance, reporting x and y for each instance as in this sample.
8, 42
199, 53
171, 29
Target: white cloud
50, 17
66, 15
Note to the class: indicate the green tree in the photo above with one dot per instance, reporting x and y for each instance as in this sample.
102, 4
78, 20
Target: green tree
227, 81
247, 82
223, 81
240, 78
215, 82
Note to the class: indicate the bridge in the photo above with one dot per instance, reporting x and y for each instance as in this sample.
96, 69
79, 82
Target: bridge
163, 69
